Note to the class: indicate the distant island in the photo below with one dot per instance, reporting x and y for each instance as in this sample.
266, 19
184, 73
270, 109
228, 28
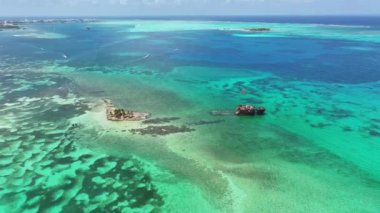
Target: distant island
15, 24
48, 21
261, 29
252, 30
6, 25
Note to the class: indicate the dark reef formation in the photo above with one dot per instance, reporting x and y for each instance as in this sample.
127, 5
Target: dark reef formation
47, 149
199, 123
161, 130
160, 120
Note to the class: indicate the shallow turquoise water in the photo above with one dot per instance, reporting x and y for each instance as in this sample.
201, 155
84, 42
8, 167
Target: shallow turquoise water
316, 150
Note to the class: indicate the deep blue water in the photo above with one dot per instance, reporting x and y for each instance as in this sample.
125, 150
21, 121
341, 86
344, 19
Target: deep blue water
337, 20
303, 58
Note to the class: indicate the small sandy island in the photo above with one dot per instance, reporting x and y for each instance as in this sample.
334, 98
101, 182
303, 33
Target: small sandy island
251, 30
118, 114
260, 29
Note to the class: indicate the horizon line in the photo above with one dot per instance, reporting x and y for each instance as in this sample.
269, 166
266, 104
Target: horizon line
201, 15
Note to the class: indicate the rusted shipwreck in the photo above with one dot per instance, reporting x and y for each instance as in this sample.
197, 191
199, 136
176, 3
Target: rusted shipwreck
249, 110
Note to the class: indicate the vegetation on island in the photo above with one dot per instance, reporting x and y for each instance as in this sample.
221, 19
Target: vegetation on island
119, 114
261, 29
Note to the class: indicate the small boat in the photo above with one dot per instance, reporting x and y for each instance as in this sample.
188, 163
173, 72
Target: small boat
249, 110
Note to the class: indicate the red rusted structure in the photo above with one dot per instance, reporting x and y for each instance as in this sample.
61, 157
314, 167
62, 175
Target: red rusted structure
249, 110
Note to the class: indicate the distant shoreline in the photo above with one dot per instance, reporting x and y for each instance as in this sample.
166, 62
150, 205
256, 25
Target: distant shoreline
15, 21
14, 24
373, 20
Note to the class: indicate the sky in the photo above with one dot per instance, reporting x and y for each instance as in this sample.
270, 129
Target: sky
186, 7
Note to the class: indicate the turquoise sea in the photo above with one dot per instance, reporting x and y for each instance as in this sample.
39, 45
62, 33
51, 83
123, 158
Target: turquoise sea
317, 149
